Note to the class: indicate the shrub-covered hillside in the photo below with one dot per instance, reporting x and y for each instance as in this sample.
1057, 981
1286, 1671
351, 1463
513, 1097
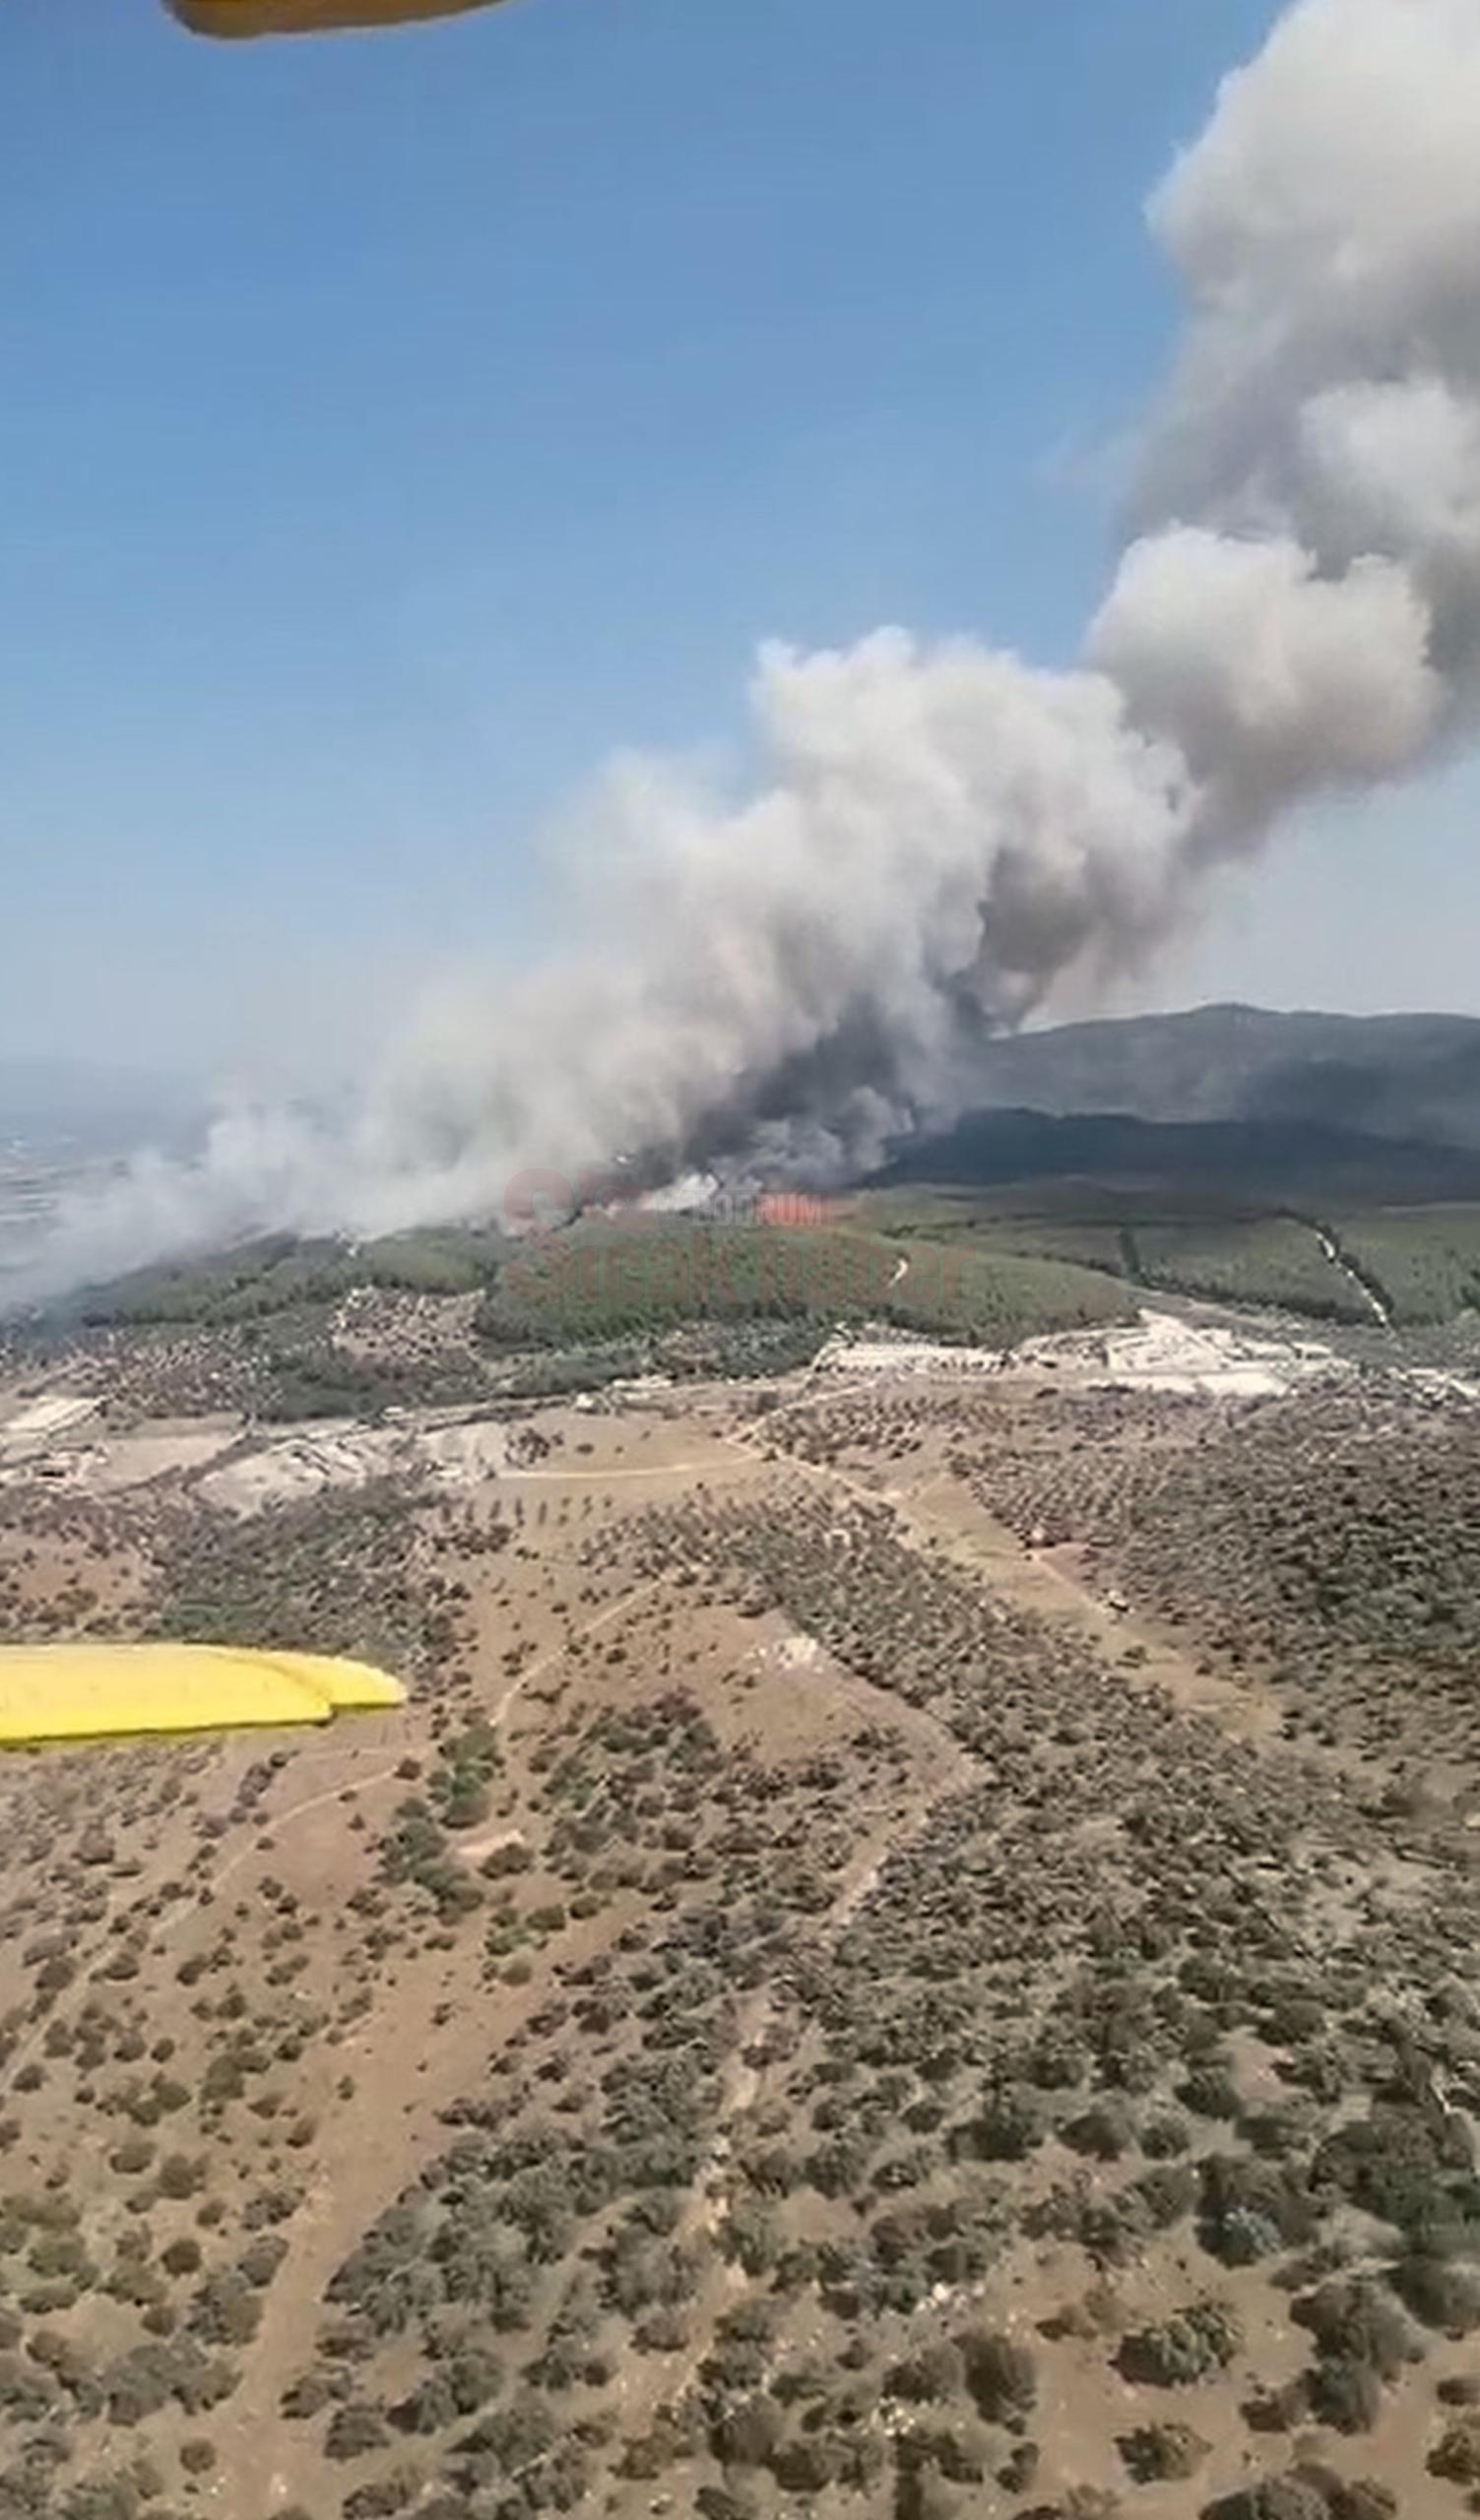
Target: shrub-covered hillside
601, 1283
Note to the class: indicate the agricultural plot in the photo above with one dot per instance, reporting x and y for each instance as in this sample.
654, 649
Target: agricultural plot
1085, 1242
1273, 1261
1423, 1262
281, 1274
590, 1285
995, 1298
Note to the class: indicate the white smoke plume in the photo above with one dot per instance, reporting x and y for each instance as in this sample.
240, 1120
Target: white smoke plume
939, 834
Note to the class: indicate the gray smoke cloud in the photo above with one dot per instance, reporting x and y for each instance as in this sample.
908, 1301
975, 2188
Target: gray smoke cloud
938, 833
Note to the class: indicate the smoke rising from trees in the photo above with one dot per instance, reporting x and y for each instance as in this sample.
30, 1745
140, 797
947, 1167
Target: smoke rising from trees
941, 833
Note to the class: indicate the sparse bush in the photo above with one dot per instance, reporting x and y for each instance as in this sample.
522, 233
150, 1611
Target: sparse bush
1163, 2452
1166, 2193
1104, 2130
1210, 2092
1163, 2136
661, 2331
26, 2395
260, 2260
179, 2177
1442, 2292
1296, 2495
1354, 2318
933, 2373
1398, 2163
1455, 2456
1010, 2127
726, 2502
1345, 2393
138, 2385
746, 2435
355, 2431
1189, 2347
1363, 2498
225, 2311
1000, 2374
306, 2396
1250, 2209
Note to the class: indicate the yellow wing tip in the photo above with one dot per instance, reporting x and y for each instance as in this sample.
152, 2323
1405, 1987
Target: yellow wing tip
343, 1682
75, 1692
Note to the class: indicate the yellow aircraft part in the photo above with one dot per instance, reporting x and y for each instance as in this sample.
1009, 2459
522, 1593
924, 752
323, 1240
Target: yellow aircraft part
85, 1692
310, 17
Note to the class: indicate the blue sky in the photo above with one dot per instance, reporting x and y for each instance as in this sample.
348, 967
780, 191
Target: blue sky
391, 427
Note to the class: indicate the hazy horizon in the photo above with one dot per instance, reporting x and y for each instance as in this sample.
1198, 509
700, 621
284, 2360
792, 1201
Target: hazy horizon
78, 1086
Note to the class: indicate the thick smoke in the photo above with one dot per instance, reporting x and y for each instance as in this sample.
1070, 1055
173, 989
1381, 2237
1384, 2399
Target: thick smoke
941, 833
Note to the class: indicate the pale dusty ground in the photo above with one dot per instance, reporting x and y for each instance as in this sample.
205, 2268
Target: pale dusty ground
50, 1414
1162, 1353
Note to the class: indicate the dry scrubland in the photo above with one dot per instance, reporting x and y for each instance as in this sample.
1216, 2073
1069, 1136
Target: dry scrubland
293, 1333
916, 1952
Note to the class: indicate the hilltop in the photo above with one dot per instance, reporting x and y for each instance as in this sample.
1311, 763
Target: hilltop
1387, 1076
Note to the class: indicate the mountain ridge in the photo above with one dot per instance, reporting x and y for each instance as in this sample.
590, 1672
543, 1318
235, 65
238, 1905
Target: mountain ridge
1407, 1075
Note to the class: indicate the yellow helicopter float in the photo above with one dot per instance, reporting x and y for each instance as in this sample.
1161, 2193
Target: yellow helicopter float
240, 18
